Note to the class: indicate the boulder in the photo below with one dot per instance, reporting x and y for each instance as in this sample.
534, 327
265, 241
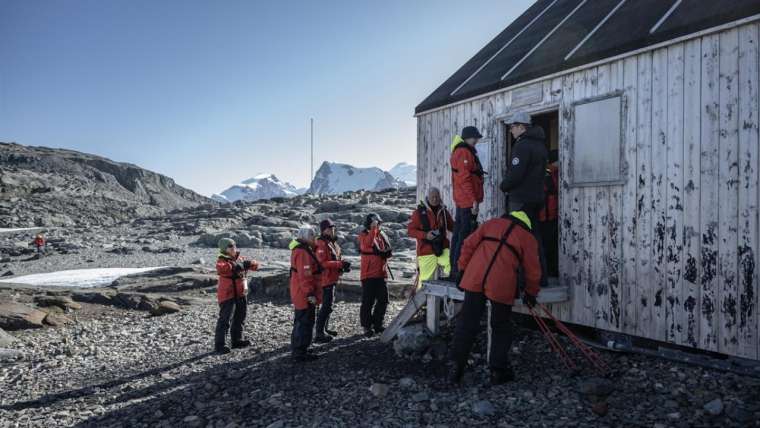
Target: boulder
379, 390
411, 341
56, 320
63, 302
6, 339
16, 316
100, 297
714, 407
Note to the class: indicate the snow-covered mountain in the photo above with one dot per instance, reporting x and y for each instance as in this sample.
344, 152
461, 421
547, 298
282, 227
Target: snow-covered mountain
332, 178
405, 172
262, 186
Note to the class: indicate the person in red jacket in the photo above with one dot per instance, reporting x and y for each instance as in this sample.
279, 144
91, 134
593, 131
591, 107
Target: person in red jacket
467, 184
429, 225
231, 295
488, 272
305, 292
548, 216
39, 244
375, 251
329, 256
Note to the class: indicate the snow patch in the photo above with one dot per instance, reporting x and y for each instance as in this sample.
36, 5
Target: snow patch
85, 278
405, 172
18, 229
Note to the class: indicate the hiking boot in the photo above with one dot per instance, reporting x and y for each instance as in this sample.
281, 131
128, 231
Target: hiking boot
368, 332
379, 330
221, 350
502, 376
305, 358
241, 344
332, 333
323, 339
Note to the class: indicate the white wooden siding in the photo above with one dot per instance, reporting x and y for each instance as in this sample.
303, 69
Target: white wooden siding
670, 254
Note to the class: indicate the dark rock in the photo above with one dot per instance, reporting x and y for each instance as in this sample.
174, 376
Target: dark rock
16, 316
63, 302
94, 297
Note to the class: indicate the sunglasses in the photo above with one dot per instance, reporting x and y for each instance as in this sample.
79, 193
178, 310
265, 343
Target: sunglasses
231, 246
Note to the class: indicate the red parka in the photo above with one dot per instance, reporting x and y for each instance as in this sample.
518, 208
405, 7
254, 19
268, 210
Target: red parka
305, 271
550, 211
466, 174
375, 250
439, 219
39, 242
328, 254
479, 249
231, 285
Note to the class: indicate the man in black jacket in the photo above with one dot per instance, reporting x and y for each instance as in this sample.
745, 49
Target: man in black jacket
524, 184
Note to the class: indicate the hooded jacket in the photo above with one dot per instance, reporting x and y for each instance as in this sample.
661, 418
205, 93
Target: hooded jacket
466, 174
305, 272
231, 285
375, 251
439, 220
525, 177
328, 254
490, 266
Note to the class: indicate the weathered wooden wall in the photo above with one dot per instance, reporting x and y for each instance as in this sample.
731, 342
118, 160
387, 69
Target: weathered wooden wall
671, 254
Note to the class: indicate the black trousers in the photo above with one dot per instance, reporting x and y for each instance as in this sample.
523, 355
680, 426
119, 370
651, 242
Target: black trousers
532, 211
328, 297
374, 302
236, 308
303, 324
468, 327
463, 227
550, 240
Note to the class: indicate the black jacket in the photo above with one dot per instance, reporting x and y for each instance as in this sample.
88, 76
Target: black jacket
525, 177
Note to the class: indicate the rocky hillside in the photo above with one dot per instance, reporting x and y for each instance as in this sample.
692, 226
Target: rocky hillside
55, 187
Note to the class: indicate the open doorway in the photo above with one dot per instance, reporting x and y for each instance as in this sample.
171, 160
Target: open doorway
548, 225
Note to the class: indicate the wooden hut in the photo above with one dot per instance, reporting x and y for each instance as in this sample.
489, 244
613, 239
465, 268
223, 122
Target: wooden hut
653, 106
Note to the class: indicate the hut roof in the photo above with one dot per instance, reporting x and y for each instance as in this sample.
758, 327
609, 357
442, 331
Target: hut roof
556, 35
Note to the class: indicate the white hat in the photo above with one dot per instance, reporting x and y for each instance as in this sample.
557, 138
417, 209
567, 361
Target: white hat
306, 233
519, 117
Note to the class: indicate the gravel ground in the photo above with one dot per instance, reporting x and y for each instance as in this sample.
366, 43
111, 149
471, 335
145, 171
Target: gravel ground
120, 368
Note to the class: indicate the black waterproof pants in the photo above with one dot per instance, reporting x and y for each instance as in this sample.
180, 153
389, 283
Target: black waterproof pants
236, 308
550, 240
463, 227
303, 325
532, 211
468, 327
328, 297
374, 303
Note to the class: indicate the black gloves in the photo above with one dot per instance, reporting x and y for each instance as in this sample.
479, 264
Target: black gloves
460, 275
386, 254
238, 267
346, 267
529, 300
247, 264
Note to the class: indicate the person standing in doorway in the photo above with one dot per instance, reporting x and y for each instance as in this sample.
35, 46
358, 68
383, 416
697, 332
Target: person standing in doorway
467, 187
524, 183
548, 216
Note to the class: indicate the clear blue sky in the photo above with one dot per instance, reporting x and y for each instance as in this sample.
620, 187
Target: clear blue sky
211, 93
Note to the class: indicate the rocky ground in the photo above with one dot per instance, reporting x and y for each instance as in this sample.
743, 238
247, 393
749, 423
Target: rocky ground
136, 352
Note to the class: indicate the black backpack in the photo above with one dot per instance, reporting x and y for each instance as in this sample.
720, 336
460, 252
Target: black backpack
438, 241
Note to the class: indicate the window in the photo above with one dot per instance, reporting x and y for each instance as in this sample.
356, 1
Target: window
597, 144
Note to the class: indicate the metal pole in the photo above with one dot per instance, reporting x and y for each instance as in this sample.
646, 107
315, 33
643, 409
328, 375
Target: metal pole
312, 149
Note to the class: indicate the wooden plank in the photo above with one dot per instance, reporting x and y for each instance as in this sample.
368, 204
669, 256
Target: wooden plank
674, 196
728, 194
599, 211
630, 283
708, 268
749, 77
644, 275
432, 314
691, 195
580, 310
658, 182
406, 314
614, 250
748, 188
568, 204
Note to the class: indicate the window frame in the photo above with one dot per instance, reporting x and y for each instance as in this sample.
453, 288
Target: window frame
572, 149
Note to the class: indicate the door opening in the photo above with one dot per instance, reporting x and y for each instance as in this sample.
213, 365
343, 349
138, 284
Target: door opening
548, 224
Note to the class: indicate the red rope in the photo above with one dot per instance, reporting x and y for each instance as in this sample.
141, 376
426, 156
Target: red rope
593, 357
553, 341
